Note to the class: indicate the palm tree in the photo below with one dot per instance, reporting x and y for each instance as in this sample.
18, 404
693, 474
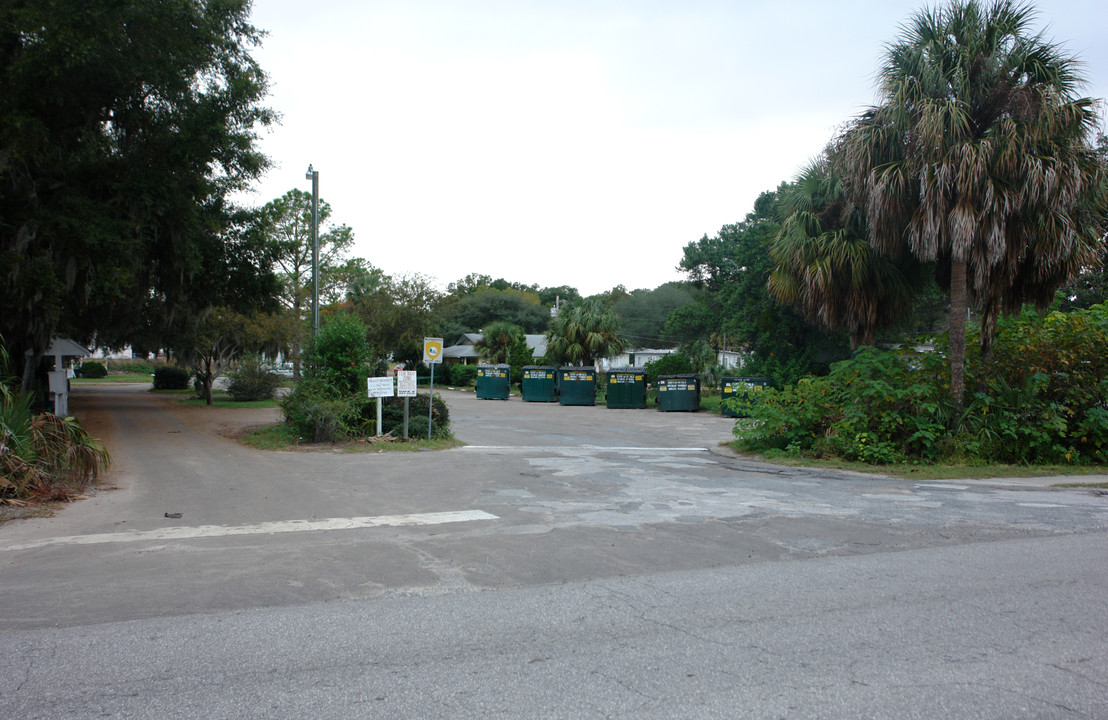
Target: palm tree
497, 340
979, 156
825, 266
584, 332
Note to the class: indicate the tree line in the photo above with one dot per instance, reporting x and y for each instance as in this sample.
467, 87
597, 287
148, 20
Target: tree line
974, 185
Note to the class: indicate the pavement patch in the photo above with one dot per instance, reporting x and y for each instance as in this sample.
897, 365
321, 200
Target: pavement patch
576, 449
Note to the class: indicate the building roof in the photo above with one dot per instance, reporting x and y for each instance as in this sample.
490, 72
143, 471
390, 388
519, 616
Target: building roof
463, 347
64, 347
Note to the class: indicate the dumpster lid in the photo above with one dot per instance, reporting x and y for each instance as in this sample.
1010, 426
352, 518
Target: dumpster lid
571, 368
539, 367
627, 370
499, 366
683, 376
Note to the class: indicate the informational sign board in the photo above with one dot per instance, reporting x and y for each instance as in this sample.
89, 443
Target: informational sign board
406, 383
432, 350
380, 387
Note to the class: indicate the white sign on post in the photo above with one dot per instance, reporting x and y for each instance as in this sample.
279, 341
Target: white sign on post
406, 383
380, 387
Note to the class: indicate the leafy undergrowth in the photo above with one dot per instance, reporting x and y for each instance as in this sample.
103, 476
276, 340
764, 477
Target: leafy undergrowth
937, 471
44, 457
283, 436
114, 378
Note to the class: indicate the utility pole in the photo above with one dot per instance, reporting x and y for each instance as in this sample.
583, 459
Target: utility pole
313, 175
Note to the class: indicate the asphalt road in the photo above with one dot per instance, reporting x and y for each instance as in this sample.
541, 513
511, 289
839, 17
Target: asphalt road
568, 562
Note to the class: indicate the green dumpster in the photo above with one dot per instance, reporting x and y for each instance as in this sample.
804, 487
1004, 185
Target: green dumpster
626, 388
739, 387
539, 383
492, 382
577, 386
677, 393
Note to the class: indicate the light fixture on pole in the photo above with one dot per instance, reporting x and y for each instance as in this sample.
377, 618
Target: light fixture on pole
313, 175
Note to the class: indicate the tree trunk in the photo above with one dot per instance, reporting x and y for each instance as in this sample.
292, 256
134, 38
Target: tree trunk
988, 329
958, 312
295, 348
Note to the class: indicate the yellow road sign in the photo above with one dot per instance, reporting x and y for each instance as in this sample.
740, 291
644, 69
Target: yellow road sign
432, 350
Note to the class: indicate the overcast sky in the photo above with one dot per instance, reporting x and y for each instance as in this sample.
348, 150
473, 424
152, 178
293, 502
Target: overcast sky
571, 142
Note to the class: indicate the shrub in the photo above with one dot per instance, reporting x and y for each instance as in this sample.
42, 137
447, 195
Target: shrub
1042, 395
1040, 398
252, 380
319, 414
463, 375
672, 364
340, 356
91, 369
392, 416
171, 377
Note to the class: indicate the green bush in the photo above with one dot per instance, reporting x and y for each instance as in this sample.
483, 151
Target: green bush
672, 364
252, 380
392, 416
329, 403
340, 356
171, 377
1040, 398
879, 407
319, 414
91, 369
463, 375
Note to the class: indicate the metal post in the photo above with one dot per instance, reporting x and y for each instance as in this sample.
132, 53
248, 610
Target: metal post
313, 175
431, 401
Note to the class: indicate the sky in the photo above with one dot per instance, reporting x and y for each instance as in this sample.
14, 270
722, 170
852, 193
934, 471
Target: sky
571, 142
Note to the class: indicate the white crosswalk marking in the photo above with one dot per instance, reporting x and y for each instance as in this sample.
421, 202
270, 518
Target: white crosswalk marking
282, 526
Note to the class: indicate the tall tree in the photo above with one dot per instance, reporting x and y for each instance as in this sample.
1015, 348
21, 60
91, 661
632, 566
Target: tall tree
825, 267
643, 313
124, 128
584, 332
397, 315
474, 310
497, 340
732, 306
979, 156
286, 225
220, 336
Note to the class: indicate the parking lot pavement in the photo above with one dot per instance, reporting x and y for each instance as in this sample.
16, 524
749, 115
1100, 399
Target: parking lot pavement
512, 422
539, 494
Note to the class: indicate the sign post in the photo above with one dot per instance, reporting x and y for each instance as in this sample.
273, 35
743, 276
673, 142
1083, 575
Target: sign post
379, 387
432, 355
406, 388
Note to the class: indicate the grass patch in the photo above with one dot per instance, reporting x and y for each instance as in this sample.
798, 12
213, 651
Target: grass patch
282, 436
115, 378
271, 437
709, 402
223, 400
372, 445
937, 471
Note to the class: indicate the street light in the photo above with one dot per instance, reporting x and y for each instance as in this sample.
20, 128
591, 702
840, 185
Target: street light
313, 175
